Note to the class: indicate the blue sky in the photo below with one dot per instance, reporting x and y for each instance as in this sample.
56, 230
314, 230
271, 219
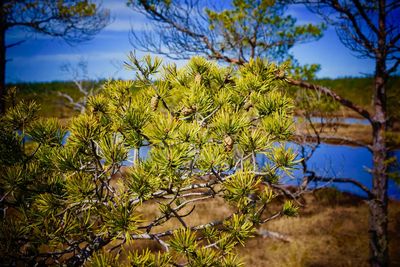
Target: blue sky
40, 58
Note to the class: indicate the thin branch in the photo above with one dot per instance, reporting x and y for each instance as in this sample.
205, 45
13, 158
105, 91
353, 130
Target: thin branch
162, 243
196, 228
351, 17
275, 235
329, 92
343, 180
361, 10
395, 66
15, 44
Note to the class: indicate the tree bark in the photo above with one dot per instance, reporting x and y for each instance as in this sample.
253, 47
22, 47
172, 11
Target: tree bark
378, 206
2, 59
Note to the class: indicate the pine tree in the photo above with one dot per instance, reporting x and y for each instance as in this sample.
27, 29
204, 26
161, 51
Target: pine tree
62, 202
72, 20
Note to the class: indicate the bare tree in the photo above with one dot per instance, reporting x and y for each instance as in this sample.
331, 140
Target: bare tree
82, 81
72, 20
370, 29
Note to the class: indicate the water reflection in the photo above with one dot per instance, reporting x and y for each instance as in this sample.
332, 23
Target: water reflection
329, 161
342, 162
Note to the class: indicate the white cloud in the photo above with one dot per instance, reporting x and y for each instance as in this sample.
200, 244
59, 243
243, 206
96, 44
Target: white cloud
302, 14
124, 25
119, 26
117, 7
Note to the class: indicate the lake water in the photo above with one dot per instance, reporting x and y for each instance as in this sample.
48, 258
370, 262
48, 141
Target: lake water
342, 162
332, 161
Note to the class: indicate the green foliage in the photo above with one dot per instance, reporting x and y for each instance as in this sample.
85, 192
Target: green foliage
255, 140
241, 189
272, 102
358, 90
47, 132
284, 158
145, 67
119, 219
184, 241
228, 122
20, 116
101, 259
289, 209
73, 20
279, 127
239, 228
148, 259
84, 131
143, 180
112, 149
75, 196
11, 151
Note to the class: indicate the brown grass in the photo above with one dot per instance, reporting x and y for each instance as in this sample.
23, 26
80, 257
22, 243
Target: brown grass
331, 230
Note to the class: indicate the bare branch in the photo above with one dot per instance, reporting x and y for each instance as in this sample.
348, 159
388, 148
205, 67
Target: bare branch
361, 10
395, 66
275, 235
15, 44
343, 180
326, 91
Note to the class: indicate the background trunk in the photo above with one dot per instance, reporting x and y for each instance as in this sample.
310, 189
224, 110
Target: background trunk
2, 59
379, 204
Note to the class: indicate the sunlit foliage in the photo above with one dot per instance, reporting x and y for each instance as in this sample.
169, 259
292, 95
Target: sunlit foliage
203, 125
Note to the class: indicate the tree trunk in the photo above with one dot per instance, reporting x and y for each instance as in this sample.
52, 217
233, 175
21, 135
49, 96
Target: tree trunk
2, 59
378, 206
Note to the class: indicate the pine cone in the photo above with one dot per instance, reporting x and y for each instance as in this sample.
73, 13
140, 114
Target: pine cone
280, 74
187, 111
197, 78
154, 102
247, 105
228, 142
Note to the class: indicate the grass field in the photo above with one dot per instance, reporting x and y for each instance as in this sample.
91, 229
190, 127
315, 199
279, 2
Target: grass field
47, 95
331, 229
